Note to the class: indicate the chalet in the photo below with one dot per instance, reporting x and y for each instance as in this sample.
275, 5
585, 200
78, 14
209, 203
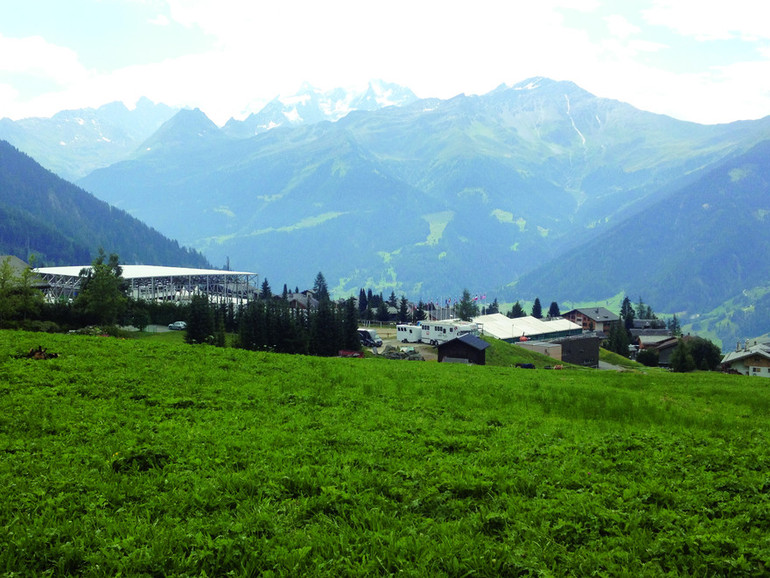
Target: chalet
466, 349
748, 360
593, 318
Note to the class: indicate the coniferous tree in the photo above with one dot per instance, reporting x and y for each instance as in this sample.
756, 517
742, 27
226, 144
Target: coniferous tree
517, 311
493, 308
363, 302
419, 313
350, 326
403, 309
466, 309
320, 288
627, 313
537, 309
617, 340
674, 327
553, 310
200, 322
266, 292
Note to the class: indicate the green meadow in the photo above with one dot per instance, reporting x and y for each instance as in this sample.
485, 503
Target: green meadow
152, 457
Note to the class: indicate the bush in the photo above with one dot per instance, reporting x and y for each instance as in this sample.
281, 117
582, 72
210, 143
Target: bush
648, 357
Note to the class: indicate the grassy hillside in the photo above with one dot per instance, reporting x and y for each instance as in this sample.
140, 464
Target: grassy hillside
148, 457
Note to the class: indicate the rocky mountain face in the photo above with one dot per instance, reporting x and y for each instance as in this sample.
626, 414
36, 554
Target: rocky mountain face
73, 143
311, 105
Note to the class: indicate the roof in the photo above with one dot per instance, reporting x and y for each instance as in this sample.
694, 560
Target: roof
470, 340
734, 356
17, 265
596, 313
141, 271
503, 327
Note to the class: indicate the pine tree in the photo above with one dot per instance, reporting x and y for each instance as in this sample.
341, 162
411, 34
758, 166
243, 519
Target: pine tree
553, 310
537, 309
517, 311
674, 327
466, 309
320, 288
363, 302
627, 313
403, 309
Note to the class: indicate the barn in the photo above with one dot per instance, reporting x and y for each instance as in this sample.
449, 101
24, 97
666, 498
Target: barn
466, 349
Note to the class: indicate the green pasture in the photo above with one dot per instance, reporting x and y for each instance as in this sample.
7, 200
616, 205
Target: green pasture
150, 457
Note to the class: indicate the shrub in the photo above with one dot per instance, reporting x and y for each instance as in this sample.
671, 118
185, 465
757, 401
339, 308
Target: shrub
648, 357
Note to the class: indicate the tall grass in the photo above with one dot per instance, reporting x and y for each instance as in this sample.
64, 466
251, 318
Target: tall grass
139, 457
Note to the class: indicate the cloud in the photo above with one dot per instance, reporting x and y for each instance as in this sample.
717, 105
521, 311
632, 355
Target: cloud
35, 57
711, 19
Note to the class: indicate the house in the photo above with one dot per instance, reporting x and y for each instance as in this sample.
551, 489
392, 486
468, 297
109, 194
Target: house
304, 300
580, 349
466, 349
748, 360
593, 318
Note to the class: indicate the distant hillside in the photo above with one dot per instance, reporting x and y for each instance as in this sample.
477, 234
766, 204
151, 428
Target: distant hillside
424, 199
690, 252
73, 143
60, 224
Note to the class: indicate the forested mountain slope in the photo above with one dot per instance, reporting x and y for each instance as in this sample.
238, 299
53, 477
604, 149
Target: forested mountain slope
61, 224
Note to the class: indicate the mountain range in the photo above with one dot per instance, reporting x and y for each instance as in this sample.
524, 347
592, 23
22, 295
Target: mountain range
535, 189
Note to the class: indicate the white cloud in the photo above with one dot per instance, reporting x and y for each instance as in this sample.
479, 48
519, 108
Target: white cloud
34, 56
620, 27
711, 19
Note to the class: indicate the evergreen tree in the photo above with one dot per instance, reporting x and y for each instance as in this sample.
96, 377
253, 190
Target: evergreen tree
627, 313
200, 322
350, 326
285, 294
363, 302
682, 360
419, 313
320, 288
674, 327
382, 311
617, 340
392, 300
403, 309
553, 310
517, 311
266, 292
537, 309
466, 309
493, 308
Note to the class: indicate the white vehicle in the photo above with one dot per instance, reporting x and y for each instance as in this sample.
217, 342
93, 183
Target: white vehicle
409, 333
437, 332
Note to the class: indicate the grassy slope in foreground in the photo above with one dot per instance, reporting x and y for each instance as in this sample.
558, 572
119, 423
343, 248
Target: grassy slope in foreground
140, 457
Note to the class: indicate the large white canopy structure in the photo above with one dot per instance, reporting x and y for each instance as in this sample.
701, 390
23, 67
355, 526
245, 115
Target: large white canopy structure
156, 283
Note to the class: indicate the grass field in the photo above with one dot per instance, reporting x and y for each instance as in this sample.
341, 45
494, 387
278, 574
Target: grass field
150, 457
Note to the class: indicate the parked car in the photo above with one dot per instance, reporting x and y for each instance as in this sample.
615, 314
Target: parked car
177, 326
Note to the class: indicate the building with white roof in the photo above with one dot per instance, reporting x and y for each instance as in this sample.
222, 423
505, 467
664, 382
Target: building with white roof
157, 283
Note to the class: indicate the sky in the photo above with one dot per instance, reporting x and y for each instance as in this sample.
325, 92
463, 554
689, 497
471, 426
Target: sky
699, 60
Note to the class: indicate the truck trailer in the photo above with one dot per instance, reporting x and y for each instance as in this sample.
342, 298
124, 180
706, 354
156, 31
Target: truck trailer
437, 332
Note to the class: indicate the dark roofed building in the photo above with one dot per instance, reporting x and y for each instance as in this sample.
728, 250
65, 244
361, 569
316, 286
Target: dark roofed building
593, 318
465, 349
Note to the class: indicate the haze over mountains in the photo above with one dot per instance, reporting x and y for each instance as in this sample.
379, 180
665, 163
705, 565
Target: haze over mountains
537, 189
